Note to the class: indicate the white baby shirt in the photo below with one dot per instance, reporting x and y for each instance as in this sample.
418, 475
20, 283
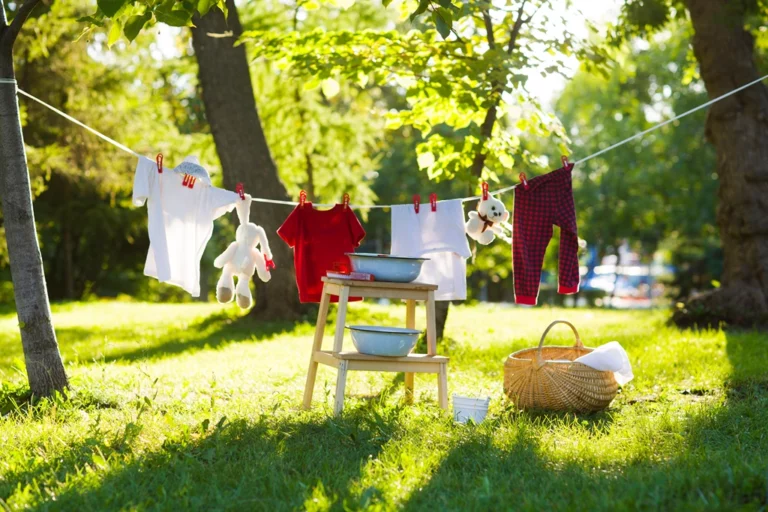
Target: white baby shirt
438, 236
180, 222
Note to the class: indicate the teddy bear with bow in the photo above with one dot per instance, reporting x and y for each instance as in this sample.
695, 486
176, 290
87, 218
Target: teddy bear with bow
242, 258
489, 221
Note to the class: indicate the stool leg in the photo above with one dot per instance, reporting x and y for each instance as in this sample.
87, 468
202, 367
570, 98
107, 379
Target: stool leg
431, 326
442, 386
322, 317
341, 382
410, 323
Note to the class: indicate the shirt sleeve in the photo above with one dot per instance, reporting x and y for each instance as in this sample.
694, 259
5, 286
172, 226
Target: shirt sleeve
143, 180
290, 228
221, 201
355, 228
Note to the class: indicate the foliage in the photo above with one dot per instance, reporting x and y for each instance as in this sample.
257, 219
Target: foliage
656, 187
456, 85
325, 137
190, 406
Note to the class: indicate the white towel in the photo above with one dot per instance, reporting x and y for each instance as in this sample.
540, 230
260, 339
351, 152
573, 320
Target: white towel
610, 357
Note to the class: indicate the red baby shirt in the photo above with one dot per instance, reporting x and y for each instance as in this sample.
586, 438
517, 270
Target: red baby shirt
320, 239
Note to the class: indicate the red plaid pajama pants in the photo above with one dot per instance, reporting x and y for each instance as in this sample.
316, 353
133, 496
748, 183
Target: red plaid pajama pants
547, 201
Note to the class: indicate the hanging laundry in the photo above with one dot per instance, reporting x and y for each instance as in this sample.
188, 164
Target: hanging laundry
438, 235
320, 240
242, 258
180, 219
547, 200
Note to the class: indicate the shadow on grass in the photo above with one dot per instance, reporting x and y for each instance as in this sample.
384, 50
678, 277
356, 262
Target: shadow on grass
720, 463
265, 464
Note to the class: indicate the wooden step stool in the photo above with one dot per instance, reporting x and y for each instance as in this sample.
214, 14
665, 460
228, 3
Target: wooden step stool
347, 361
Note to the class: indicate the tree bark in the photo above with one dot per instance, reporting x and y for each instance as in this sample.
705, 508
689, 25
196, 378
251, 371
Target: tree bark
738, 128
231, 110
45, 370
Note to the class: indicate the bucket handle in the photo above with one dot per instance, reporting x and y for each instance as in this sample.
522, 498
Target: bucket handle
578, 344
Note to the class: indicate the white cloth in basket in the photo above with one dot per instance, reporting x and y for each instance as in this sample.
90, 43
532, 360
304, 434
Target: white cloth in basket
610, 357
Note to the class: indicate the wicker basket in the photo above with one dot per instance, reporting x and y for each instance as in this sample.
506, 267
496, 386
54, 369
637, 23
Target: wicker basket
547, 378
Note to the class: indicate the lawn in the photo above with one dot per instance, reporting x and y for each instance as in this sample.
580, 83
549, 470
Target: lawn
178, 407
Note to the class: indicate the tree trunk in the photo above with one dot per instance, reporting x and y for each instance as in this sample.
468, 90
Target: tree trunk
441, 317
230, 108
45, 370
738, 128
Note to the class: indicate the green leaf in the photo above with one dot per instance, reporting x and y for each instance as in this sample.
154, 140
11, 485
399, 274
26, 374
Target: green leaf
169, 13
115, 31
330, 87
425, 160
386, 3
110, 7
421, 9
446, 3
134, 25
203, 6
443, 21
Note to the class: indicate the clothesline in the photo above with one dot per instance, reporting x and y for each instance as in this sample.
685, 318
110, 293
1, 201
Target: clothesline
360, 206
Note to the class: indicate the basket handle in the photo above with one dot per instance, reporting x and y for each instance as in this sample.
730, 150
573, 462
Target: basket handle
578, 344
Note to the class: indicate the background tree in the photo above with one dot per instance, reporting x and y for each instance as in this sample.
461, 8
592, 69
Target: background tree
45, 369
724, 44
657, 191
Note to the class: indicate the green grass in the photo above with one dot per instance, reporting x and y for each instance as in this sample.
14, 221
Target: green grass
180, 407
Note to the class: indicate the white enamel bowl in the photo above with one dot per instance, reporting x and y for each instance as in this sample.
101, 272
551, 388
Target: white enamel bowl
395, 269
383, 341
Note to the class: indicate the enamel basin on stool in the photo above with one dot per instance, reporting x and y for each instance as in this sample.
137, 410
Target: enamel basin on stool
383, 341
384, 267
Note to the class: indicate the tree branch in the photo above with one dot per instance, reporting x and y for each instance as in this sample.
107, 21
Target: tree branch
519, 22
489, 29
12, 31
486, 129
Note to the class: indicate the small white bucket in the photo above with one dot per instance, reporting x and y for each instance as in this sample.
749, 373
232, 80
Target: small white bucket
466, 408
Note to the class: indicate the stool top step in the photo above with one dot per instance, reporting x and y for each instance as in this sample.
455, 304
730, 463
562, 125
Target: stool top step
380, 284
411, 358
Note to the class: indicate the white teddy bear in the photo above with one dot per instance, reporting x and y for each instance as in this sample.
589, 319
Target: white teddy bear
242, 258
488, 221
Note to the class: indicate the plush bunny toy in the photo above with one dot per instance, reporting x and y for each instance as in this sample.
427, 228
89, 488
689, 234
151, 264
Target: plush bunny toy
488, 221
242, 259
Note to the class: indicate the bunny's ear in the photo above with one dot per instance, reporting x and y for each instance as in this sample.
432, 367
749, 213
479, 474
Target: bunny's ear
244, 209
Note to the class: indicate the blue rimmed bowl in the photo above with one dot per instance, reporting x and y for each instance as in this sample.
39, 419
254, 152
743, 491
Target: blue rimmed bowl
383, 341
385, 267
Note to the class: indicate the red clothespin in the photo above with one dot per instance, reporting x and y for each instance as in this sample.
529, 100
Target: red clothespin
240, 191
485, 191
416, 202
192, 181
566, 164
185, 181
302, 198
433, 201
159, 160
270, 264
524, 180
345, 201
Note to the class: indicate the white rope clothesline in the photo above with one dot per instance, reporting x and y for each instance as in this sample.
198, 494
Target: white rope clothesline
369, 206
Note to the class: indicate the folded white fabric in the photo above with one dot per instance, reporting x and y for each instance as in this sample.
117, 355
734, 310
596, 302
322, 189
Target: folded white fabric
610, 357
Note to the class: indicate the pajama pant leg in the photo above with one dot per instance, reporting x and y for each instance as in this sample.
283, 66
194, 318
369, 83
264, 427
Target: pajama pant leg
532, 230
